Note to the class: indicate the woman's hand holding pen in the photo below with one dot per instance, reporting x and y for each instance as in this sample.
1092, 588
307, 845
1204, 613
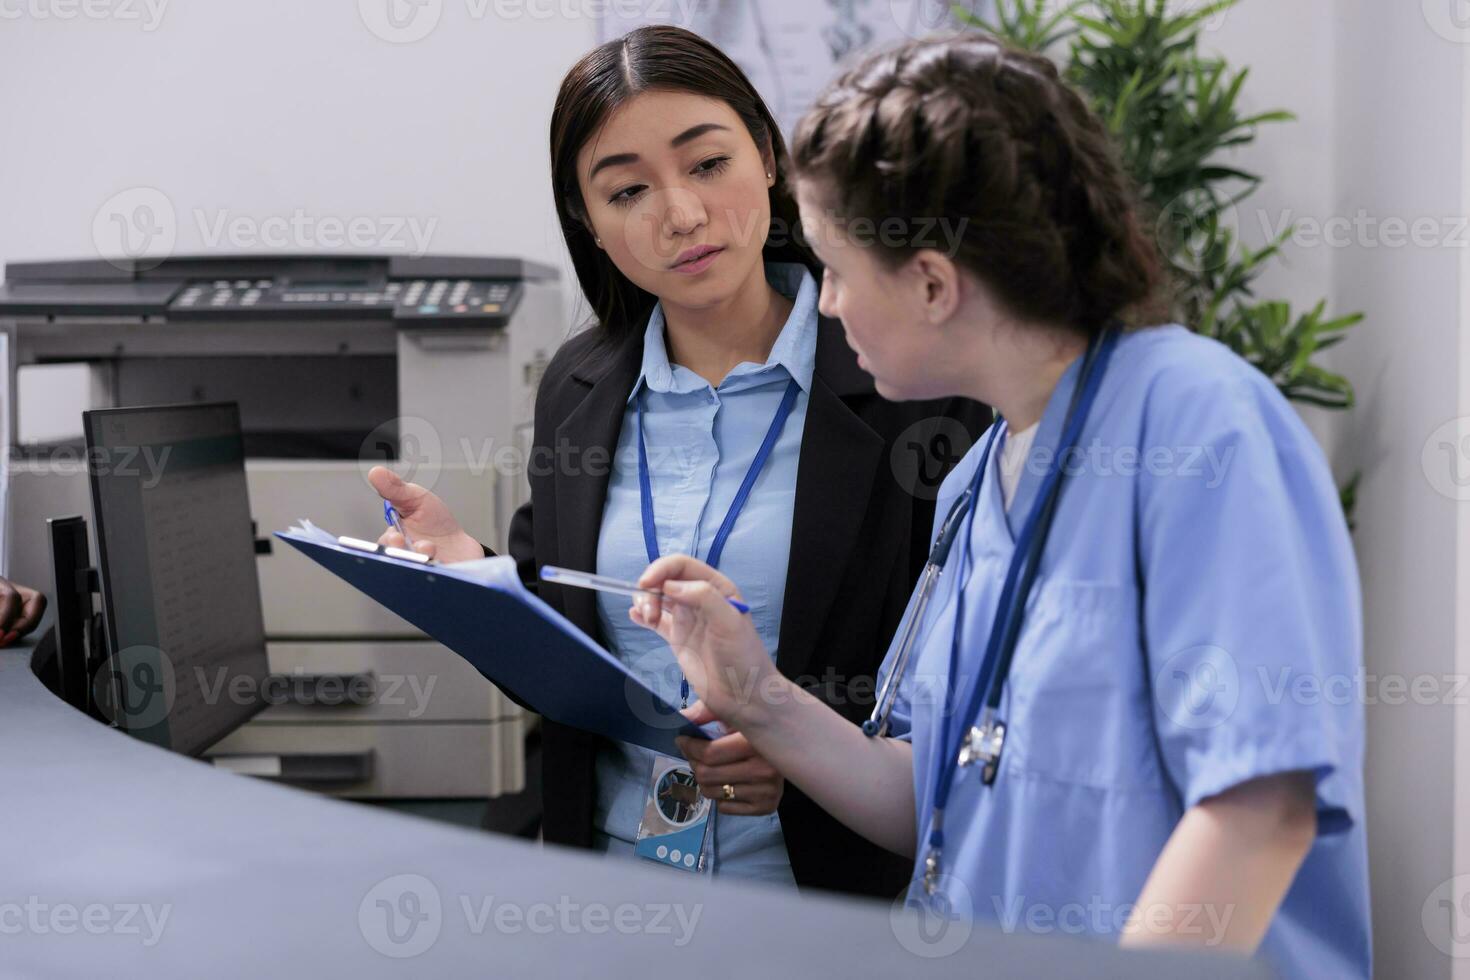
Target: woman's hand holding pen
793, 731
425, 517
729, 668
717, 647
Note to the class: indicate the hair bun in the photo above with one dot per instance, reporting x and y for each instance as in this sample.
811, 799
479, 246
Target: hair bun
963, 128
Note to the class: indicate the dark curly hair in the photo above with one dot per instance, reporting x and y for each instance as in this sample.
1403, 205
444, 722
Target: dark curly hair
959, 126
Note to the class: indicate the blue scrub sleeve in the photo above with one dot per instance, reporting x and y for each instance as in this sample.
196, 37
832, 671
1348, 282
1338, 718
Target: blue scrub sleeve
1252, 612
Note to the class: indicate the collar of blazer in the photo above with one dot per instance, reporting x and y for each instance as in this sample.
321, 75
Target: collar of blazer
840, 458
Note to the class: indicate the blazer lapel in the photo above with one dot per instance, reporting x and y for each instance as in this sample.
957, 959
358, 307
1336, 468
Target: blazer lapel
840, 456
585, 443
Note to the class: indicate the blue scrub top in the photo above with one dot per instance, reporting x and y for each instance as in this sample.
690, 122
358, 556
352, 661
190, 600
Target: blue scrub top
1196, 623
701, 442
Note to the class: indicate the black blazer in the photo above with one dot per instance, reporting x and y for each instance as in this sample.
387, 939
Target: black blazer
860, 529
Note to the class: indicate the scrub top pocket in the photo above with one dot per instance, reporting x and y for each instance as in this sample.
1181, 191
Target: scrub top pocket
1074, 712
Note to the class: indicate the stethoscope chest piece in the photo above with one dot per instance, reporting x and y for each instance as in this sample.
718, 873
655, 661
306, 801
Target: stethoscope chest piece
983, 744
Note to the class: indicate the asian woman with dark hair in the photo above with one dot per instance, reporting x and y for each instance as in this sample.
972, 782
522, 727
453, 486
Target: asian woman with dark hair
710, 409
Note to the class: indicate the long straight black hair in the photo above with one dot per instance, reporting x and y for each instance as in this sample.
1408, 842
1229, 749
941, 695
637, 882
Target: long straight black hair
669, 59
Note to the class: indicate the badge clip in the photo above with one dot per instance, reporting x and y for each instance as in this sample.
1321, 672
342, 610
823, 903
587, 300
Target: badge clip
931, 872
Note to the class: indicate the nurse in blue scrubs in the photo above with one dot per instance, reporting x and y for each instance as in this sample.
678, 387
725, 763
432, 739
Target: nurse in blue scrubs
1099, 713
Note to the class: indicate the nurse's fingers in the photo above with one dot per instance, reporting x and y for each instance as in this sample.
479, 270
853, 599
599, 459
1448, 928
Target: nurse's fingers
686, 568
702, 596
679, 567
698, 713
683, 603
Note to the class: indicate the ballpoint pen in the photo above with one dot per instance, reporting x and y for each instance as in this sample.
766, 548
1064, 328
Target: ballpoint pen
602, 583
391, 516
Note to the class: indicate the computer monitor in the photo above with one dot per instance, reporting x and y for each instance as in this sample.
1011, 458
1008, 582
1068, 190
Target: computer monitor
77, 645
176, 562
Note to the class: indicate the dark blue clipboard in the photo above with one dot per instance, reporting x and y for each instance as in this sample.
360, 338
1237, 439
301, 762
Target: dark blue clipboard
516, 640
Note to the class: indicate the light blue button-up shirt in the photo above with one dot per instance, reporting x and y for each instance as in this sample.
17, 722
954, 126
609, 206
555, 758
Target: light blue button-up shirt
1196, 623
701, 442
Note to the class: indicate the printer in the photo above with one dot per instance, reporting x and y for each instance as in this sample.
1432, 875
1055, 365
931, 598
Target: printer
338, 362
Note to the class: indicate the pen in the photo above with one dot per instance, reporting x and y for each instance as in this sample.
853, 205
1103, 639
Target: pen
602, 583
391, 516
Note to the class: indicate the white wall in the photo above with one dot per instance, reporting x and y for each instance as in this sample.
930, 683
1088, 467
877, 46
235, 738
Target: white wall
255, 109
1400, 154
1380, 96
276, 111
1290, 57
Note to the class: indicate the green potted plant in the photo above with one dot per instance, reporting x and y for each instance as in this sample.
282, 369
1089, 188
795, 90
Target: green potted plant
1174, 111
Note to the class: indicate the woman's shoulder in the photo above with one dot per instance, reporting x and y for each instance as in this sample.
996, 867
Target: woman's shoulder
581, 352
1174, 356
586, 356
1187, 385
582, 360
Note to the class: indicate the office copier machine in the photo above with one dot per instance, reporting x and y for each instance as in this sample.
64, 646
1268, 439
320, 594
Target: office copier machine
338, 362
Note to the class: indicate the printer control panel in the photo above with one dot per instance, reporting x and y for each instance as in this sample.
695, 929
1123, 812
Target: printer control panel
420, 302
440, 299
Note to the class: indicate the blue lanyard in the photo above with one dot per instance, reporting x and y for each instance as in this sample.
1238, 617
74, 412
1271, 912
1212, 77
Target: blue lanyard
983, 742
717, 547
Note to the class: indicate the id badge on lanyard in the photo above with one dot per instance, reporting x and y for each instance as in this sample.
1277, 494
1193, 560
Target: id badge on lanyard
676, 818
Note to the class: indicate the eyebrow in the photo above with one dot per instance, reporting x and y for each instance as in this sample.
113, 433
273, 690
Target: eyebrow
618, 159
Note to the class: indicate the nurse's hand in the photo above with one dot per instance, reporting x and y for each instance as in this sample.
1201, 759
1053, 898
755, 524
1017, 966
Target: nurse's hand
425, 517
731, 761
718, 648
20, 610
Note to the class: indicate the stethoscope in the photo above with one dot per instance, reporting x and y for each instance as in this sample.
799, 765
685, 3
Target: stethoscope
983, 733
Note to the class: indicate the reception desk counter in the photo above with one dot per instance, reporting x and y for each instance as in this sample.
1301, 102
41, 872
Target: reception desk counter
120, 859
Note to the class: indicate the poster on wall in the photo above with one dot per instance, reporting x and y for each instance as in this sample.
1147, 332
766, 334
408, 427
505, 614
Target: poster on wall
790, 50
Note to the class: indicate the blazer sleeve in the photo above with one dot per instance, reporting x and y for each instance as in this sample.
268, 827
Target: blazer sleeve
522, 547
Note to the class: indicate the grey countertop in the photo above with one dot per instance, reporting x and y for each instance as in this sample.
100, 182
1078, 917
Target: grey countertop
121, 859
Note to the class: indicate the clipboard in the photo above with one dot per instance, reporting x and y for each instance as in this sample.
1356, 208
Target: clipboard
481, 611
